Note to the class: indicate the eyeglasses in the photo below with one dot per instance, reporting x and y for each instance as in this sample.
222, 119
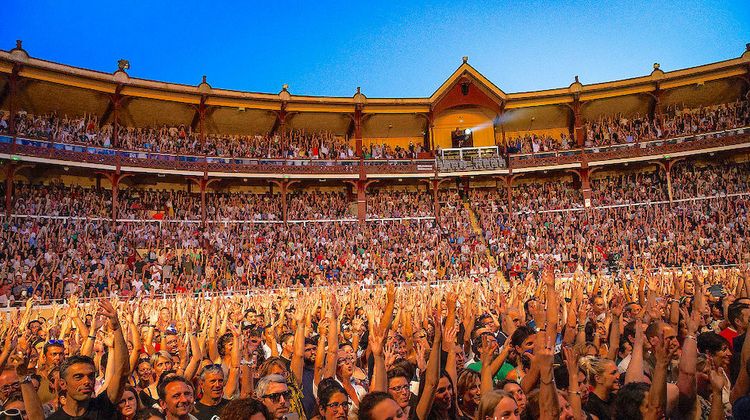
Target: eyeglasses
400, 388
12, 412
345, 405
346, 360
276, 396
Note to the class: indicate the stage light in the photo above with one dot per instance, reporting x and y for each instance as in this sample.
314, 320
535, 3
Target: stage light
467, 131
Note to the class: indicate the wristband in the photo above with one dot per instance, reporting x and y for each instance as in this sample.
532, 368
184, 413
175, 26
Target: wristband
691, 337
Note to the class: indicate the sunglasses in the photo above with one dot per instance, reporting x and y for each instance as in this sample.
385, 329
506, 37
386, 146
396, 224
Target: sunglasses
12, 412
276, 396
59, 342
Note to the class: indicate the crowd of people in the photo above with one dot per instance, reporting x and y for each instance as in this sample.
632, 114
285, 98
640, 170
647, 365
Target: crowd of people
64, 235
182, 139
612, 130
607, 130
384, 203
658, 344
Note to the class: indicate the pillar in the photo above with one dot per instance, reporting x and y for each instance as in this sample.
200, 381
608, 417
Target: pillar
114, 179
202, 118
283, 189
655, 110
116, 102
358, 130
508, 181
203, 183
577, 128
11, 169
434, 186
667, 166
584, 174
13, 82
428, 128
361, 187
280, 124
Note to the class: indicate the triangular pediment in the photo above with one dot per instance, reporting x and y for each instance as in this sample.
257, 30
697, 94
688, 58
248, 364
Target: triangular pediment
480, 91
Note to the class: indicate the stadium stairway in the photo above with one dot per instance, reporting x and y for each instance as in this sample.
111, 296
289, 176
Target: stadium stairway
478, 230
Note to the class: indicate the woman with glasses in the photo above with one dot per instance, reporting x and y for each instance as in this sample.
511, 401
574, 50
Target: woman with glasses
161, 362
333, 402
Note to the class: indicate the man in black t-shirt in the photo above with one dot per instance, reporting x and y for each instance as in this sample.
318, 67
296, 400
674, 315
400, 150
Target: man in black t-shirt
78, 377
212, 401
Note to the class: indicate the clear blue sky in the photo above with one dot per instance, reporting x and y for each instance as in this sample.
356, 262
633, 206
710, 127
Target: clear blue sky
402, 49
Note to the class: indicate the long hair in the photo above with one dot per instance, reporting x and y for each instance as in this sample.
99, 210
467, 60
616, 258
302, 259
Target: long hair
452, 411
489, 401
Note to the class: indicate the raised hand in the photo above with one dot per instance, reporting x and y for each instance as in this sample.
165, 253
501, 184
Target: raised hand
718, 380
107, 310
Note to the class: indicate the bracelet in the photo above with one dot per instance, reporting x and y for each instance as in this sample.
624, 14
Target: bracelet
575, 393
92, 336
691, 337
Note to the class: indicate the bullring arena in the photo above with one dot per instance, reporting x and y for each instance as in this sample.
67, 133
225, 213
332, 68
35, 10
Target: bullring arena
551, 253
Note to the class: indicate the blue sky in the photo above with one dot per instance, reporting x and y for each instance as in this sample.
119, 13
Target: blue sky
401, 49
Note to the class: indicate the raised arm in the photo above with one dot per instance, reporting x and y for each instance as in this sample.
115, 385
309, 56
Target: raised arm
31, 401
615, 310
377, 341
329, 370
432, 374
688, 360
549, 405
574, 393
635, 368
657, 394
119, 353
135, 337
298, 362
230, 388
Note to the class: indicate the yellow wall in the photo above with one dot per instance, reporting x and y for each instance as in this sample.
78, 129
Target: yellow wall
480, 124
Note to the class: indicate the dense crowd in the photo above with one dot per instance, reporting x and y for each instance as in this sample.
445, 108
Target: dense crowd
611, 130
384, 203
86, 130
245, 245
657, 344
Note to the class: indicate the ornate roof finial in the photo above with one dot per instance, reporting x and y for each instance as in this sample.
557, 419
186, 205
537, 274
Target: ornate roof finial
204, 79
358, 90
123, 64
656, 66
576, 78
747, 46
19, 44
284, 87
465, 59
